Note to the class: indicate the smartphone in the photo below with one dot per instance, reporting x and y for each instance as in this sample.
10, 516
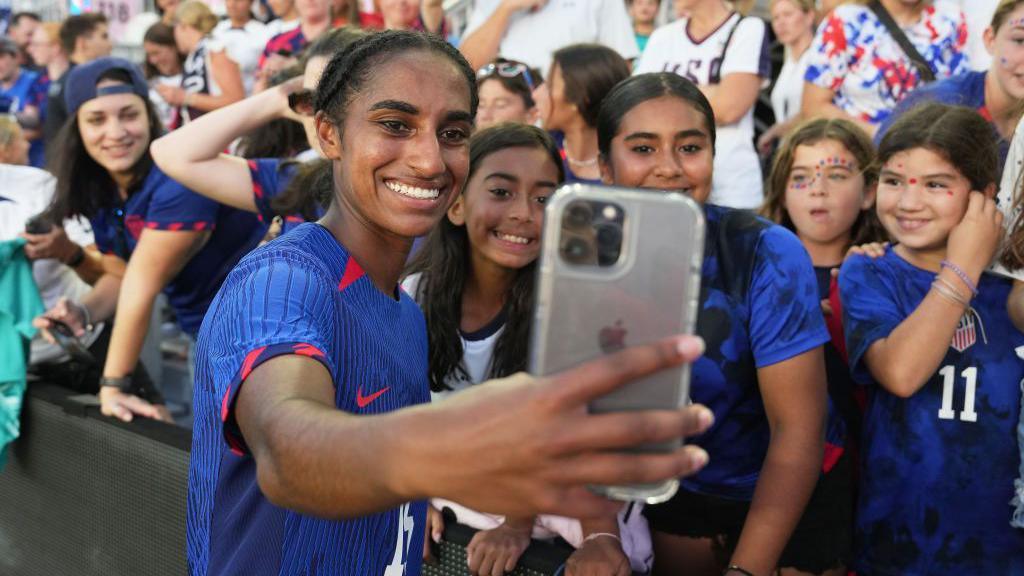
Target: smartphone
70, 343
618, 268
38, 224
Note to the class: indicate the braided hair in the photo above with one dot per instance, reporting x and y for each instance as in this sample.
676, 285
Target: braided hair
348, 70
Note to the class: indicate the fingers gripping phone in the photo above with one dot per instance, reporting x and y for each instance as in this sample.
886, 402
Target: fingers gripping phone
619, 268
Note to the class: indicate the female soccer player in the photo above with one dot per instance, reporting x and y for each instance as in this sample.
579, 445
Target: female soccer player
309, 451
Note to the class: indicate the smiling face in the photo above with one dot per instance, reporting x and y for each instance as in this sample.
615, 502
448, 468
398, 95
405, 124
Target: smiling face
921, 198
1007, 50
663, 144
824, 196
163, 58
114, 130
403, 154
503, 206
498, 104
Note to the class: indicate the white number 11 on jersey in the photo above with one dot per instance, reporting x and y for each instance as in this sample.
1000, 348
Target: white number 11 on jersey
948, 374
406, 523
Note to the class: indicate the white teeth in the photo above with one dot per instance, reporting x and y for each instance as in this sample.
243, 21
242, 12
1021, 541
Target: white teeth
413, 191
512, 239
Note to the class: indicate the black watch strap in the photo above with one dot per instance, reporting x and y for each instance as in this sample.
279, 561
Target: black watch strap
77, 259
123, 383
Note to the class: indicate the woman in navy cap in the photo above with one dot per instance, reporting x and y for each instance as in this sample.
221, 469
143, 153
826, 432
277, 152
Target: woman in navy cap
171, 238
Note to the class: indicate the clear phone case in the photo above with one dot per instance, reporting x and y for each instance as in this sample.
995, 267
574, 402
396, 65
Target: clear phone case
593, 298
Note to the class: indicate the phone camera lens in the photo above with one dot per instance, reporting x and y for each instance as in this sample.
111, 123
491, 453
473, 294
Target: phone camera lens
578, 215
576, 251
609, 243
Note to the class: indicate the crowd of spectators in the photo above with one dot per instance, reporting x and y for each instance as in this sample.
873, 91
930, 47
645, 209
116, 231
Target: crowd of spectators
342, 203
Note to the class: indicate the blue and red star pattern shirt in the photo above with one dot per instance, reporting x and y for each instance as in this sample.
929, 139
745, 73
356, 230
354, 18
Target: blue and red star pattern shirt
855, 57
270, 178
937, 467
299, 294
292, 42
163, 204
759, 306
967, 89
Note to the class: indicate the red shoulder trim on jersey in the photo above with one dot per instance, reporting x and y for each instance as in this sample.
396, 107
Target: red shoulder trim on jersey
353, 272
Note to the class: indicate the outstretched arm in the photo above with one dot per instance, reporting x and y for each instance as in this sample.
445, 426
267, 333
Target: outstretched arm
517, 446
193, 156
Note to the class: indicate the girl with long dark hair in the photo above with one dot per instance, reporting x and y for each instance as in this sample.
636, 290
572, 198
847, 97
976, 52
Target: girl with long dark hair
764, 372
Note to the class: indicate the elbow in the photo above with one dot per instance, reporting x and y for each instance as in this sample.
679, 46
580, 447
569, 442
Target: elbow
899, 382
727, 115
158, 150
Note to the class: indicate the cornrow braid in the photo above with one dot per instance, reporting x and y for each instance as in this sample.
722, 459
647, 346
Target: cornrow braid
348, 69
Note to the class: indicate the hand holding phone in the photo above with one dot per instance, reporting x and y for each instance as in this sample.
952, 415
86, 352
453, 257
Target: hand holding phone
619, 268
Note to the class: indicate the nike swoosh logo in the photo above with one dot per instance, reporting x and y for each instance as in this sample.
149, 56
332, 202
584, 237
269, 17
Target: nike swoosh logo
364, 401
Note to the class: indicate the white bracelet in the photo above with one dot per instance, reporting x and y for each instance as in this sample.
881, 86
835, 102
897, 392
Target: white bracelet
596, 535
88, 317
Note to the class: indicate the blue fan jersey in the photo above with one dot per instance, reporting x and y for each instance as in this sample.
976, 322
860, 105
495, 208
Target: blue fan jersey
759, 306
163, 204
938, 467
300, 294
270, 178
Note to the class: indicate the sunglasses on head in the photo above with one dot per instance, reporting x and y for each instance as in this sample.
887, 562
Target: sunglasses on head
507, 70
301, 101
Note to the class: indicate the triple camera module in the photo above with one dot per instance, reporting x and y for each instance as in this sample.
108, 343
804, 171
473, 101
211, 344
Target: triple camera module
592, 233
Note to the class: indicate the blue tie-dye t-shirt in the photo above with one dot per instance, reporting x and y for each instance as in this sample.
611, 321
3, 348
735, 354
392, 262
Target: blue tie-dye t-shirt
937, 467
759, 306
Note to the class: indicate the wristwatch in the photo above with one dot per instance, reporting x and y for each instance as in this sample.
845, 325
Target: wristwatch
123, 383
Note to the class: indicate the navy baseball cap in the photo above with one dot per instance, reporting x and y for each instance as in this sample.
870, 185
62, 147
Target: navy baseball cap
81, 83
8, 46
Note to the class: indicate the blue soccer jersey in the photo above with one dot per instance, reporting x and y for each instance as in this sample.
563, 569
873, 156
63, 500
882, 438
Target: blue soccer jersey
938, 467
163, 204
759, 306
300, 294
270, 178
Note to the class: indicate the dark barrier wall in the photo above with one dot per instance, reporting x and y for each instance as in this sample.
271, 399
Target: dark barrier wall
86, 495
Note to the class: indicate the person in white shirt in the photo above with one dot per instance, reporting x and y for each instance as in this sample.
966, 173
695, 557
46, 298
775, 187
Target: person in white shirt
978, 14
243, 37
530, 31
793, 23
25, 193
726, 54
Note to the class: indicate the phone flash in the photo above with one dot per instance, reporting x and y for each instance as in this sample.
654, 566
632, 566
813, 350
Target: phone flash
610, 212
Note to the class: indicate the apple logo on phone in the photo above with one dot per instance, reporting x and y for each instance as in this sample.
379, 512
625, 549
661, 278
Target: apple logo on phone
612, 338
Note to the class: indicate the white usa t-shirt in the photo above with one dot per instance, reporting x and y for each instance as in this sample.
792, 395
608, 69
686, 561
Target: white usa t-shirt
532, 37
737, 179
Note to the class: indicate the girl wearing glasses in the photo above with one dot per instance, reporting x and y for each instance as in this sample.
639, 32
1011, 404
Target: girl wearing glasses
506, 93
172, 239
270, 187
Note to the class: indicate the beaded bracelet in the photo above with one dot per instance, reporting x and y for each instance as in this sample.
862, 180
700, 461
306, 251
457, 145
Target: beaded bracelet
962, 275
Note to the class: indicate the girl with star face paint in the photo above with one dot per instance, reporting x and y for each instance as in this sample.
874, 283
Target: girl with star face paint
928, 334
